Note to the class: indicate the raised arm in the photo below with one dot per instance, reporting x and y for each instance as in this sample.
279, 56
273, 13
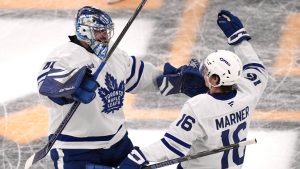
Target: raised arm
253, 68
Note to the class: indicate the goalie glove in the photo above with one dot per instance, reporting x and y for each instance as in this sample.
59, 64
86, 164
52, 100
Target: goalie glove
187, 79
232, 28
134, 160
86, 91
80, 87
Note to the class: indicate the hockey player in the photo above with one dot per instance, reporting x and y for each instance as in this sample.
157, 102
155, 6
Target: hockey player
96, 134
218, 118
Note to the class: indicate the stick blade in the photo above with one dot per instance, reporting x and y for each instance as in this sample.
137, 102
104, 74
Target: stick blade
29, 162
248, 142
36, 157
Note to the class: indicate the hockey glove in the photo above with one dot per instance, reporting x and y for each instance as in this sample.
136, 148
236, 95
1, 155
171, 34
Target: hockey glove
81, 87
134, 160
232, 28
192, 82
187, 79
86, 91
170, 81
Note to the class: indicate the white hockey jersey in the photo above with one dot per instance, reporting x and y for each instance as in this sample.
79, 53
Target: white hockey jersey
211, 121
99, 124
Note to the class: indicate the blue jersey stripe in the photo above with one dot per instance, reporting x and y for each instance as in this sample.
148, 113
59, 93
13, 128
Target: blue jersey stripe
220, 96
139, 77
64, 75
253, 66
179, 166
132, 69
178, 141
46, 73
171, 148
68, 138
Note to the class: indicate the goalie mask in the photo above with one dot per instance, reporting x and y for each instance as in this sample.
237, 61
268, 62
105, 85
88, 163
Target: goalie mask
224, 64
89, 20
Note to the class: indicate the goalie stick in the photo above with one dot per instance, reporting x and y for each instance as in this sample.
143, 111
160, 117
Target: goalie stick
198, 155
44, 151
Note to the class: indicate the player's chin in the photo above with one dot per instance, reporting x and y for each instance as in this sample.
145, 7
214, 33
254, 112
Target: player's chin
104, 41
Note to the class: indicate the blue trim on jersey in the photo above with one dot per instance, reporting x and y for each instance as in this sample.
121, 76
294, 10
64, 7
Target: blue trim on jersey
178, 141
42, 75
132, 69
46, 73
179, 166
139, 77
174, 150
221, 96
68, 138
64, 75
54, 156
40, 82
255, 66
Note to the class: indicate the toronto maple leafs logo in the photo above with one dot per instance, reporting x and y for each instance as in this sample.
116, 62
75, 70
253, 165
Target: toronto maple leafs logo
113, 95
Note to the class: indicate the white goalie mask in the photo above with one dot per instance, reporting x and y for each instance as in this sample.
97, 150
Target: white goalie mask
224, 64
88, 20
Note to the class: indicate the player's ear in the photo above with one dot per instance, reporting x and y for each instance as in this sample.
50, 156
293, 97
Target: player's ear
214, 79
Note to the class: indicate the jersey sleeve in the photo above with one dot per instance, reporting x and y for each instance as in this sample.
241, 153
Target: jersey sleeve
178, 139
141, 76
59, 78
253, 68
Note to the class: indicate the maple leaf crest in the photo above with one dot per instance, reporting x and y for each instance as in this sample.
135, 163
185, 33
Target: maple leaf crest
113, 95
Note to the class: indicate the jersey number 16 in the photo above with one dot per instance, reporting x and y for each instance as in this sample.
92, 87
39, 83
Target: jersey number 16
235, 152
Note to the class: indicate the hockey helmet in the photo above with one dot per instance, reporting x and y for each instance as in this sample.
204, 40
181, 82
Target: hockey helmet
224, 64
88, 20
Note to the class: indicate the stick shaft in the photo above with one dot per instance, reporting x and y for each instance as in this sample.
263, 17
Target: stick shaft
201, 154
120, 37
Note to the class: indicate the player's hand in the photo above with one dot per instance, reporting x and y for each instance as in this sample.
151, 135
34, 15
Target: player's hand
187, 79
170, 81
192, 82
134, 160
81, 86
232, 27
86, 91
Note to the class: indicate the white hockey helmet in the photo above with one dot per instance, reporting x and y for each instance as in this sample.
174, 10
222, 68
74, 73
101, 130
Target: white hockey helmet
88, 20
224, 64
